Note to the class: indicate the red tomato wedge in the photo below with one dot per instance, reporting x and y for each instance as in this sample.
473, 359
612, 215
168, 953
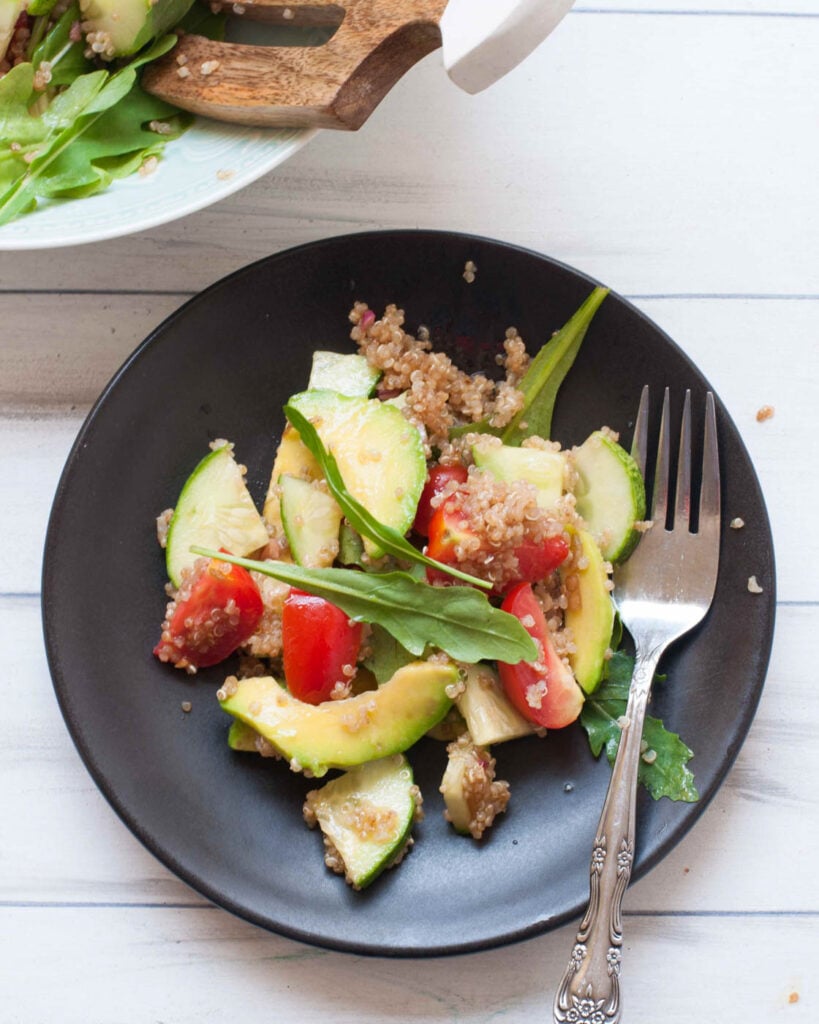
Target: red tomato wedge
320, 644
544, 692
439, 477
537, 561
447, 530
220, 612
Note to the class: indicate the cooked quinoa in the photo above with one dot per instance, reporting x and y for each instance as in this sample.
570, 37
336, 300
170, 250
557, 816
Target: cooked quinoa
485, 796
439, 395
496, 518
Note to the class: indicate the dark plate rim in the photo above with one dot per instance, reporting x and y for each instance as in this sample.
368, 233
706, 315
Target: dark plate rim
200, 885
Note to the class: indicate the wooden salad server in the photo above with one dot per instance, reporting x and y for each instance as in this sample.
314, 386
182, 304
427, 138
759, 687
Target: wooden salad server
339, 84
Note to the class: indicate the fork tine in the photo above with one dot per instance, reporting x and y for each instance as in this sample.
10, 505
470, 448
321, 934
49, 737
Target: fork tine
682, 504
709, 495
639, 443
659, 504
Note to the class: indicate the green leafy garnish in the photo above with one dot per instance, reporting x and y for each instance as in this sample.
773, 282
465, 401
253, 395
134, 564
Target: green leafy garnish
457, 620
546, 372
542, 380
386, 655
40, 7
387, 538
668, 774
95, 129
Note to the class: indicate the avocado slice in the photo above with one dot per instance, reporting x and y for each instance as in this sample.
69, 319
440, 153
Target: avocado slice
366, 816
610, 494
537, 466
348, 374
592, 623
242, 738
344, 733
130, 24
380, 455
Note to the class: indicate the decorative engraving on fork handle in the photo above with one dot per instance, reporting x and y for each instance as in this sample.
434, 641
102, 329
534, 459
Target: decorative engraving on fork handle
589, 992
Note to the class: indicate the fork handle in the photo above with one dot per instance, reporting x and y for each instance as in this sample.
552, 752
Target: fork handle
590, 988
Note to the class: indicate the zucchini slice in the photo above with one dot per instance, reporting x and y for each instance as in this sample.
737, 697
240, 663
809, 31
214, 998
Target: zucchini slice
366, 816
214, 510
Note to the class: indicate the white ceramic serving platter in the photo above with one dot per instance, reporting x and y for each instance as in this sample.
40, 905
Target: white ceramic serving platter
210, 161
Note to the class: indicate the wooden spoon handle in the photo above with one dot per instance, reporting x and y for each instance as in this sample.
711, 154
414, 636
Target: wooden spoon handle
336, 85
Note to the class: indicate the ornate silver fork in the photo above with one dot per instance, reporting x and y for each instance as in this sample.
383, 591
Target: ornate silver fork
661, 592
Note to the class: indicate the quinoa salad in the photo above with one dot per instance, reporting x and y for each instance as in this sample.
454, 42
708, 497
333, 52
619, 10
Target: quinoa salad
74, 115
428, 561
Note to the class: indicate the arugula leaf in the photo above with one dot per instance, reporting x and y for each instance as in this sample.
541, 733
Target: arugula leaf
542, 380
67, 58
457, 620
389, 539
546, 372
115, 146
668, 775
71, 115
386, 656
39, 7
16, 93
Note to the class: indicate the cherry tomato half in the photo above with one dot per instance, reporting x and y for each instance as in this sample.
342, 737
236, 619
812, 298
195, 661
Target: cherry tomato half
447, 530
545, 692
320, 644
439, 477
537, 561
220, 613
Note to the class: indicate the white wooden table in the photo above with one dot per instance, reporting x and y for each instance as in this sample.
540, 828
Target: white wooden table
674, 156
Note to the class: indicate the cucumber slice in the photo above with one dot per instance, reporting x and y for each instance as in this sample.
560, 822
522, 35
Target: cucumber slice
293, 458
347, 374
130, 24
214, 510
537, 466
610, 494
350, 545
366, 816
380, 454
489, 716
592, 622
311, 520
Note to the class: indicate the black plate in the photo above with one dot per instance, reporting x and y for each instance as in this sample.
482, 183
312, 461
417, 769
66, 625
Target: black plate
230, 825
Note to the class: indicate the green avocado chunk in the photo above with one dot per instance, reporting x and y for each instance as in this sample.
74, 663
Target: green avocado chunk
127, 25
344, 733
593, 621
241, 737
380, 454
